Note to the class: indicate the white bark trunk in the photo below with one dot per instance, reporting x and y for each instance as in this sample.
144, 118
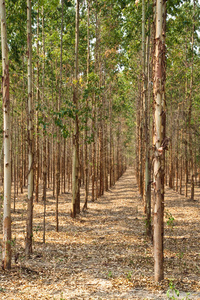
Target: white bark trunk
159, 136
6, 263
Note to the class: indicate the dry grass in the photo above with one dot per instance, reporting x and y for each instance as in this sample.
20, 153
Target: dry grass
104, 253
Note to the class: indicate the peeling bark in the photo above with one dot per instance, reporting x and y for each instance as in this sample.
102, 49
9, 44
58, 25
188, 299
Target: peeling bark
159, 137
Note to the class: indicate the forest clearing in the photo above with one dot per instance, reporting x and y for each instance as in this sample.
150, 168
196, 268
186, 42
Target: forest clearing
104, 253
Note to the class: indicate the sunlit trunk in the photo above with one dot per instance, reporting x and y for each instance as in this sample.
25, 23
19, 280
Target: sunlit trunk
6, 257
159, 137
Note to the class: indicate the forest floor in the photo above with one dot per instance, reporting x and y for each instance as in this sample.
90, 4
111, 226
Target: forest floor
104, 253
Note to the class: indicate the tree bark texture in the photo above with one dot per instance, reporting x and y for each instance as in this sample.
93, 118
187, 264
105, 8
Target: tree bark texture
6, 257
159, 137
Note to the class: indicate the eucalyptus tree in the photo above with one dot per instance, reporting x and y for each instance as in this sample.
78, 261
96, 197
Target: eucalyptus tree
159, 137
86, 169
109, 36
16, 32
58, 148
76, 165
6, 257
37, 156
29, 228
145, 67
182, 40
44, 150
132, 48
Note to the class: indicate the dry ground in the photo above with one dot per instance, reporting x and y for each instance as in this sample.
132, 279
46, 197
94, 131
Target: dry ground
104, 253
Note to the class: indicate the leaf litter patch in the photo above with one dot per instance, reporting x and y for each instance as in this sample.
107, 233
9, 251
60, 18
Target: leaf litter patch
104, 253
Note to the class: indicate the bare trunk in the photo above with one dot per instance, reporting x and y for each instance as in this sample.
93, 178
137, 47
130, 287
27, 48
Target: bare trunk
181, 176
190, 109
29, 236
6, 255
37, 112
93, 150
159, 138
87, 106
22, 150
75, 162
137, 150
44, 182
44, 168
111, 140
141, 175
145, 56
64, 166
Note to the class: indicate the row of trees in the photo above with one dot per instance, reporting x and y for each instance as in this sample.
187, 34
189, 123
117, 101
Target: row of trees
179, 165
94, 74
77, 132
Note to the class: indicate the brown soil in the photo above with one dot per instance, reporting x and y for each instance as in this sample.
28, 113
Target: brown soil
104, 253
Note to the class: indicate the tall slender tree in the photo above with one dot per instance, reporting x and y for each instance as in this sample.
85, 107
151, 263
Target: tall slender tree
87, 106
147, 192
6, 259
44, 132
190, 107
58, 157
75, 162
159, 139
37, 158
29, 235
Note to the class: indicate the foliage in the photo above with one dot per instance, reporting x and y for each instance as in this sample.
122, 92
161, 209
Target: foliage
109, 93
170, 219
173, 293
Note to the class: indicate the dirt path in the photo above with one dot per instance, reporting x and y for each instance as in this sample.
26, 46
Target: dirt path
104, 254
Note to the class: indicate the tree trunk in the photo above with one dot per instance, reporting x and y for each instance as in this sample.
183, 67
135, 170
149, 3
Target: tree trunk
93, 149
15, 162
159, 137
37, 112
6, 255
44, 182
87, 106
44, 169
29, 236
190, 109
137, 148
75, 162
147, 193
